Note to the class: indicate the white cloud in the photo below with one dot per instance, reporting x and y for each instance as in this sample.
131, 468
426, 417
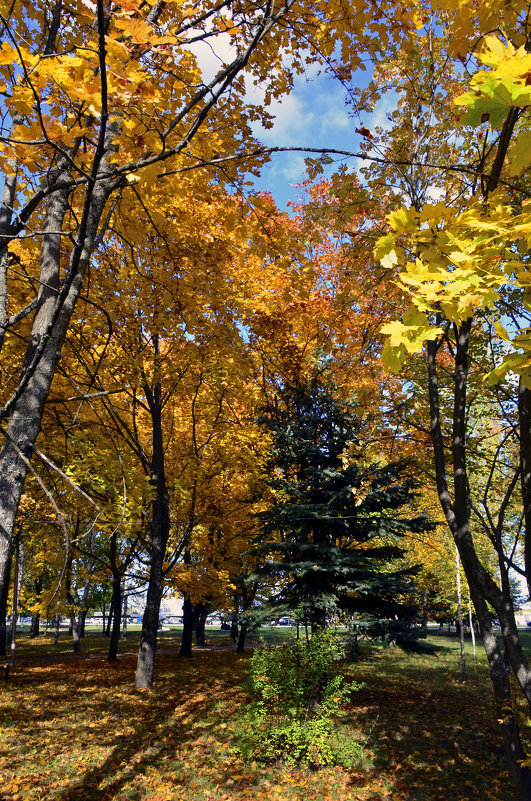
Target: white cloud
212, 54
313, 115
386, 105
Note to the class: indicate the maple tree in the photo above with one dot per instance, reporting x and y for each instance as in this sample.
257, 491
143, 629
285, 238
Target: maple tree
463, 268
101, 103
171, 384
108, 120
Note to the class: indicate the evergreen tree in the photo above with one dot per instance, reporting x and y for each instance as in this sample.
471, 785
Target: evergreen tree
332, 537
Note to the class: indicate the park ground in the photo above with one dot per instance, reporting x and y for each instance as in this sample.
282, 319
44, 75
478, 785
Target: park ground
75, 729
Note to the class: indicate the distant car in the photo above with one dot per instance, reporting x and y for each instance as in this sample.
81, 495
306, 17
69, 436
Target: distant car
529, 622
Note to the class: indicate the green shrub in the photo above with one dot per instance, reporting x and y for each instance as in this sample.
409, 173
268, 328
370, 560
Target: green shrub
297, 697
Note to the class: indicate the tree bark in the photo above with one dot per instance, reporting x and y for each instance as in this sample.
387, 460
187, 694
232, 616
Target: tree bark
116, 617
74, 628
241, 638
524, 416
505, 714
200, 616
4, 594
55, 307
35, 625
56, 628
81, 618
14, 610
188, 628
76, 639
110, 618
160, 531
460, 615
125, 613
35, 617
472, 628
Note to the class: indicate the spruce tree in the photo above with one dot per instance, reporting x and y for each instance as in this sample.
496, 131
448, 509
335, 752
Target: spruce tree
332, 536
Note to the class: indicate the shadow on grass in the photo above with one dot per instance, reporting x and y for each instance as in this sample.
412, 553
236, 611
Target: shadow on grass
435, 733
81, 732
139, 734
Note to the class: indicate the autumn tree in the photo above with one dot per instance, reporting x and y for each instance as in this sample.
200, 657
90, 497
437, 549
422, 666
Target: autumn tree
98, 100
463, 268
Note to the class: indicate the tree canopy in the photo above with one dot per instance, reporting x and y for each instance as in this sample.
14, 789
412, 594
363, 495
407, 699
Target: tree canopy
152, 302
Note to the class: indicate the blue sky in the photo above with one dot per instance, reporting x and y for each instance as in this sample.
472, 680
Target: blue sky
313, 115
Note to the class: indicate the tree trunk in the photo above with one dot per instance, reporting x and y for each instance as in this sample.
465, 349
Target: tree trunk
57, 624
110, 617
116, 606
14, 609
74, 627
524, 415
248, 594
241, 638
505, 714
57, 298
4, 594
472, 628
188, 628
35, 617
354, 646
125, 605
424, 622
234, 630
160, 530
482, 587
35, 625
200, 615
460, 615
81, 618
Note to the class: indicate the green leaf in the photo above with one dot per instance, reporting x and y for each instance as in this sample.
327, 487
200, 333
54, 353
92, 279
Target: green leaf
492, 99
520, 154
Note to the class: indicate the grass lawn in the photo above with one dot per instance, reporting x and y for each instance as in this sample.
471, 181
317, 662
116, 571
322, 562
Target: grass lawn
78, 730
95, 643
